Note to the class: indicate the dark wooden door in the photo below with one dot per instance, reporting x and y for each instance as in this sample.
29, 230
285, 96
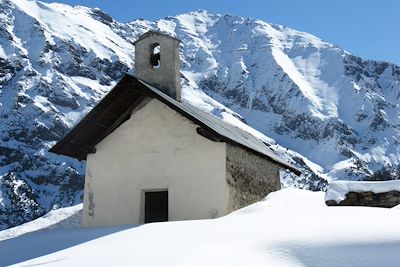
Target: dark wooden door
156, 206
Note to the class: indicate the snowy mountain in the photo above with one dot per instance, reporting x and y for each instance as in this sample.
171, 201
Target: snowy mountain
331, 113
290, 228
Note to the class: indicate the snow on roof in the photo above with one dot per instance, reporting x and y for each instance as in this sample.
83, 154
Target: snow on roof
337, 190
120, 101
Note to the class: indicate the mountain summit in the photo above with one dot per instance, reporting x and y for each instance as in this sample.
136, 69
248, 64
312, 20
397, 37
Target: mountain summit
333, 114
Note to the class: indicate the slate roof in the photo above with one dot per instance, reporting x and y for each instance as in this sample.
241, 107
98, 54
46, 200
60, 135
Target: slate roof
116, 107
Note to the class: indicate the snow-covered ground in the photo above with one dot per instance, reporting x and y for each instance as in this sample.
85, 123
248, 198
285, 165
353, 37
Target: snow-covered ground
291, 227
69, 217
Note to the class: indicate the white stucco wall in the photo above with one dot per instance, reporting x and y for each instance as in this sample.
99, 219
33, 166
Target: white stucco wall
156, 148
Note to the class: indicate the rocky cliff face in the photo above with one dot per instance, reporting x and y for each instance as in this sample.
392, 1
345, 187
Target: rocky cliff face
340, 113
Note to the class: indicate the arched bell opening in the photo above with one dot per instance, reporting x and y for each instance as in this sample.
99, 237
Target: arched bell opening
155, 59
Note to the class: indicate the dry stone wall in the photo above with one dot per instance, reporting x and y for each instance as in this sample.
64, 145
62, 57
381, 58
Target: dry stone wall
249, 177
384, 200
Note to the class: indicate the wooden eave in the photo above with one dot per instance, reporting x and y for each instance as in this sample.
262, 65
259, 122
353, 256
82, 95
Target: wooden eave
116, 107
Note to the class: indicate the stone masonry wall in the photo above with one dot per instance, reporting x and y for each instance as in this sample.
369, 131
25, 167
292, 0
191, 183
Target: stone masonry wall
167, 76
371, 199
249, 177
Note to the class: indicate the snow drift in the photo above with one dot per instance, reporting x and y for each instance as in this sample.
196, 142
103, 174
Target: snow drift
291, 227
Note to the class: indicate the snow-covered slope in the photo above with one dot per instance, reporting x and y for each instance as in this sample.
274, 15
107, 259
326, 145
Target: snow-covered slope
62, 218
291, 227
339, 112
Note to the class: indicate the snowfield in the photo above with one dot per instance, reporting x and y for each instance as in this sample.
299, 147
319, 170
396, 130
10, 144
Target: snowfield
69, 217
291, 227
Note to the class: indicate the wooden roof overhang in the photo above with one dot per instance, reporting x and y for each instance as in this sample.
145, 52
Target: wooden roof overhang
114, 109
117, 106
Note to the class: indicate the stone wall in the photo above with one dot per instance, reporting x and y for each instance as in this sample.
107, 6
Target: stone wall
249, 177
371, 199
166, 77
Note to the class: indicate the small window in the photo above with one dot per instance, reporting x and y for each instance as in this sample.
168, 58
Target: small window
155, 56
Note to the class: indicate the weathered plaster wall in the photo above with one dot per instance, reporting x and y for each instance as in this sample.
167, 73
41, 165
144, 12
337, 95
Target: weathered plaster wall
249, 177
156, 148
384, 200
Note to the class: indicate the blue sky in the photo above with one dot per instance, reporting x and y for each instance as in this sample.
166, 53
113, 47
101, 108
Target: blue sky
366, 28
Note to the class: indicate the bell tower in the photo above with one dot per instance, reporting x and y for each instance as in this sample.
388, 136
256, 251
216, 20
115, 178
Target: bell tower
157, 62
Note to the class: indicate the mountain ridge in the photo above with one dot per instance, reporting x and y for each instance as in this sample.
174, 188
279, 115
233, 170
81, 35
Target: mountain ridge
339, 112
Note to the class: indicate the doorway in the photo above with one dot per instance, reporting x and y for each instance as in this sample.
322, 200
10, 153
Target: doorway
155, 206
